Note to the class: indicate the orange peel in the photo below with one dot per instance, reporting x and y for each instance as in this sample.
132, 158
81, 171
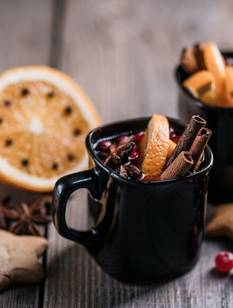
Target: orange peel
157, 145
44, 119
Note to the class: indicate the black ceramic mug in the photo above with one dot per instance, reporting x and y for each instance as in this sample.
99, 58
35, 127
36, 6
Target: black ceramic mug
149, 232
220, 121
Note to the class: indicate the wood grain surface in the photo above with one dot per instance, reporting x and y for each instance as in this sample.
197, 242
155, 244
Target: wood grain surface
123, 54
25, 36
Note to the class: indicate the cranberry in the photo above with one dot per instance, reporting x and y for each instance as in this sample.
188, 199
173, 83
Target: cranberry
224, 261
104, 146
173, 135
134, 154
137, 137
171, 129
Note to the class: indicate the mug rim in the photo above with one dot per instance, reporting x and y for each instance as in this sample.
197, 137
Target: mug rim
114, 175
197, 101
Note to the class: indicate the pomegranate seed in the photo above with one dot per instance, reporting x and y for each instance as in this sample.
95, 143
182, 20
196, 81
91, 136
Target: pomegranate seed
224, 261
134, 154
171, 129
104, 146
137, 137
172, 135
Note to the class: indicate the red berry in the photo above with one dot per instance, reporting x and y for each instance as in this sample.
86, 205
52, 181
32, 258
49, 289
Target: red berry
171, 129
137, 137
224, 261
172, 135
134, 154
104, 145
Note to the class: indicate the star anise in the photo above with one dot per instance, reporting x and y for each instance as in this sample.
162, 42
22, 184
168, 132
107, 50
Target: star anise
119, 154
24, 218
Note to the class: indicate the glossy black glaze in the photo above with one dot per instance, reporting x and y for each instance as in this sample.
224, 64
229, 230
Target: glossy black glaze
220, 121
150, 232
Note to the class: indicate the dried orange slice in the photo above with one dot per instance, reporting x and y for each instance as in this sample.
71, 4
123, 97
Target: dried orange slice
44, 119
214, 63
157, 146
200, 83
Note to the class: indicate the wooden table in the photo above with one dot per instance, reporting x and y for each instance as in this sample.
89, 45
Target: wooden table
122, 53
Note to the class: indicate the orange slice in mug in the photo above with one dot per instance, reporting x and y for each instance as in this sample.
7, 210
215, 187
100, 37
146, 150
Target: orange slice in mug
157, 146
44, 119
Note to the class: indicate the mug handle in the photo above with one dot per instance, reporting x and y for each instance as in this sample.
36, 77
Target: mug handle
64, 187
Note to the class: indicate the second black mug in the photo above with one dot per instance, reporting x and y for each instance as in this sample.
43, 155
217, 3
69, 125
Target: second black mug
220, 121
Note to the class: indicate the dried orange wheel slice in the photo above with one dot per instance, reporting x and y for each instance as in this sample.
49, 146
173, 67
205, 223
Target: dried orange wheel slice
214, 63
44, 119
157, 146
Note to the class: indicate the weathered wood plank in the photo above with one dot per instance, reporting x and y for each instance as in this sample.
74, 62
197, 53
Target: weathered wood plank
24, 32
123, 54
25, 39
74, 280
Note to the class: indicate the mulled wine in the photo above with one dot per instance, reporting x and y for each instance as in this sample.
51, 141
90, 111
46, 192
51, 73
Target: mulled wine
161, 152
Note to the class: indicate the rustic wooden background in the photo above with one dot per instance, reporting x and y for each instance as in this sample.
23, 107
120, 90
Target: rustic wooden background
123, 54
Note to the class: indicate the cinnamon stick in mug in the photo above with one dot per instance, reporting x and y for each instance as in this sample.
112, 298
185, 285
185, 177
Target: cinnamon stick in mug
188, 136
179, 167
199, 145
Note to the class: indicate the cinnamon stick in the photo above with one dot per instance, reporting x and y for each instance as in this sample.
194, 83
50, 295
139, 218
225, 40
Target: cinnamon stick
179, 167
188, 136
199, 145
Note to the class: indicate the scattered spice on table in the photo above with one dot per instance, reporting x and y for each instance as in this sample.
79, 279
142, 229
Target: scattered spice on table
25, 218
